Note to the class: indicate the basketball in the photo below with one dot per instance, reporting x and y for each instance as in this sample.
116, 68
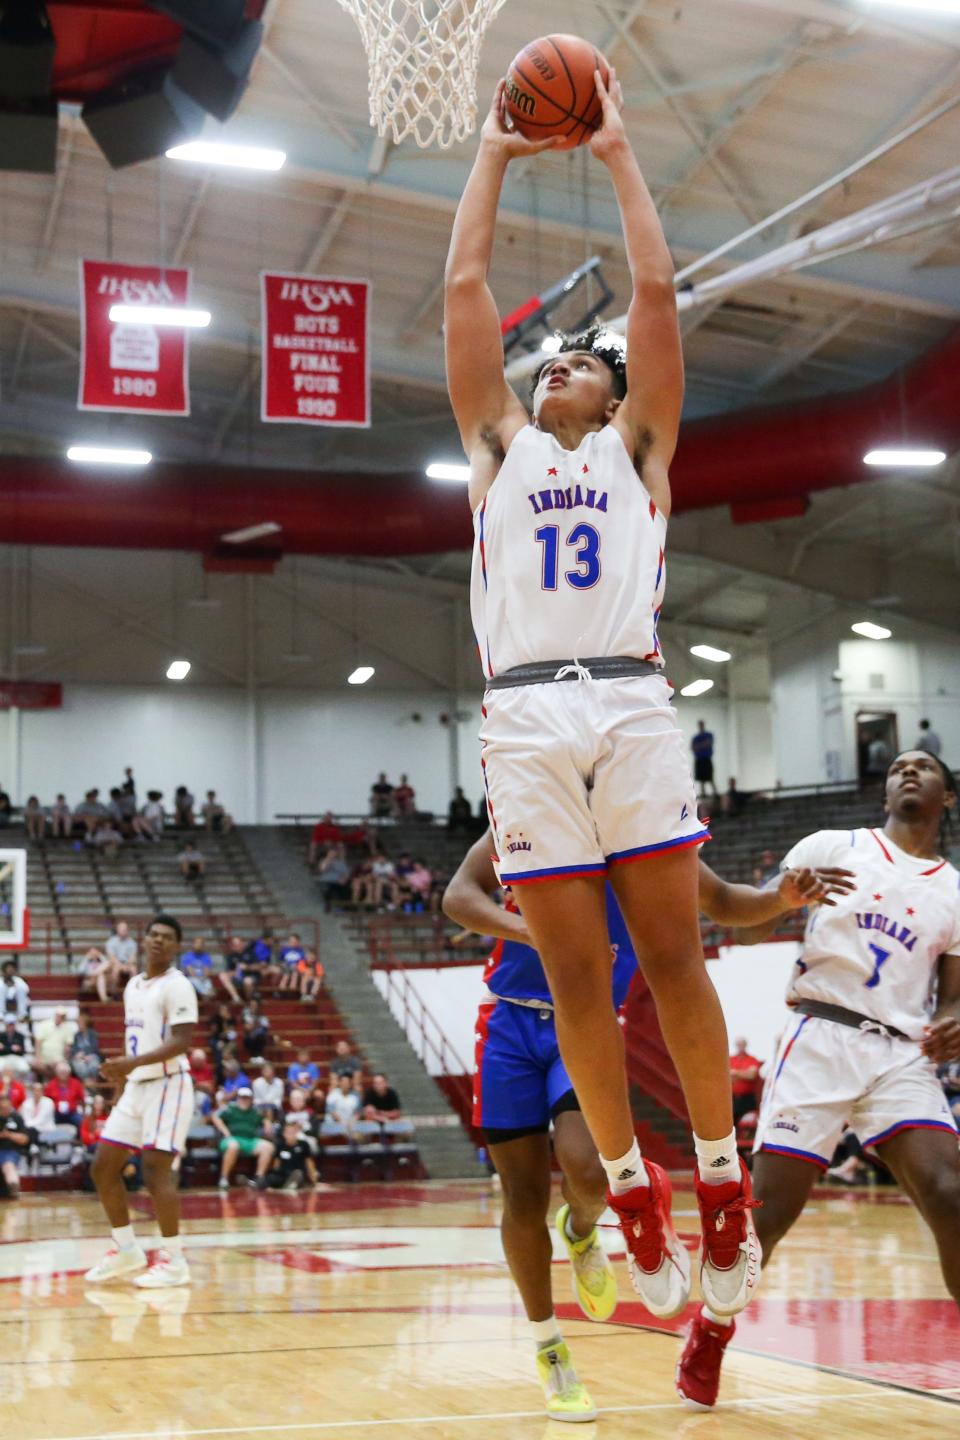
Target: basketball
551, 90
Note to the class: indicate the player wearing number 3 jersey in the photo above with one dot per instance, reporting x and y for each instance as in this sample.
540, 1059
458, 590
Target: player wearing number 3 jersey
875, 1002
585, 766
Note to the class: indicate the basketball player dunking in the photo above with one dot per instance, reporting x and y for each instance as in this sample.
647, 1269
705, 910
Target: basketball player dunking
521, 1086
585, 765
864, 1039
153, 1114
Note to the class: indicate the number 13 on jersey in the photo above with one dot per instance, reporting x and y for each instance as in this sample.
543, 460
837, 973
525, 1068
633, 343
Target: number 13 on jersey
584, 541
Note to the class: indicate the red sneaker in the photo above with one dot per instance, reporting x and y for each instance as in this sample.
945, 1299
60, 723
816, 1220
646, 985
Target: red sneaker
730, 1252
698, 1369
659, 1265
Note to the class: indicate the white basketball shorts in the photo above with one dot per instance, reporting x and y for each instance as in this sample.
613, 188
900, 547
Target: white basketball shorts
583, 774
826, 1076
152, 1114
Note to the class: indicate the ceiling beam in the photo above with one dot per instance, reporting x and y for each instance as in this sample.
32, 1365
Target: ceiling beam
328, 233
320, 107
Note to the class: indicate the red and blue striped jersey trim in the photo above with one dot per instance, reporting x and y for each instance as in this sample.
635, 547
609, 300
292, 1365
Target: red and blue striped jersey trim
809, 1155
557, 872
790, 1044
892, 1130
681, 842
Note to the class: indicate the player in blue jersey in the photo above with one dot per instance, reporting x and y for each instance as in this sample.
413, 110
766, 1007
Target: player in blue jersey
521, 1086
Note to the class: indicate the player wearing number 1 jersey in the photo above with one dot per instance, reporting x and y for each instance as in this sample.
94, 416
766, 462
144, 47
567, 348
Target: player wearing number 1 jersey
585, 766
875, 1001
153, 1113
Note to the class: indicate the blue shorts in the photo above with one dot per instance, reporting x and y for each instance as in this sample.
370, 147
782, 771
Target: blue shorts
11, 1156
519, 1079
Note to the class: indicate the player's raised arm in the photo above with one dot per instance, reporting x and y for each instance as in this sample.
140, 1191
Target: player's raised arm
468, 899
755, 912
487, 412
649, 417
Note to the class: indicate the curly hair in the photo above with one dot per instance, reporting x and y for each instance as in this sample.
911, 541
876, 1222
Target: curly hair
950, 788
597, 340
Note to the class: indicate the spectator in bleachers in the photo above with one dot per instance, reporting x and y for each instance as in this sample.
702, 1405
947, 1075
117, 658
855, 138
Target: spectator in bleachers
119, 813
734, 800
148, 824
344, 1062
222, 1035
420, 884
292, 954
744, 1079
61, 818
241, 1131
34, 819
14, 996
268, 1092
183, 803
109, 969
702, 747
459, 813
256, 1032
215, 818
766, 869
303, 1074
234, 1078
380, 1100
85, 1055
404, 799
381, 797
343, 1107
67, 1094
256, 966
88, 814
14, 1143
293, 1163
928, 739
197, 964
192, 863
10, 1085
91, 1126
201, 1072
6, 809
231, 975
52, 1039
326, 832
299, 1113
385, 892
333, 877
37, 1108
312, 975
106, 838
13, 1048
129, 785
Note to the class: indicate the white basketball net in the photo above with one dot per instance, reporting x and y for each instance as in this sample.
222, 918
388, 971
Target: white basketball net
423, 58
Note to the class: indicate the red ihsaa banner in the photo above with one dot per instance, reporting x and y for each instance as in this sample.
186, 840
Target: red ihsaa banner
128, 366
30, 694
316, 352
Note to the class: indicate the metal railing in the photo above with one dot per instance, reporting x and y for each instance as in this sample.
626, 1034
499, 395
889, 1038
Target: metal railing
54, 942
422, 1030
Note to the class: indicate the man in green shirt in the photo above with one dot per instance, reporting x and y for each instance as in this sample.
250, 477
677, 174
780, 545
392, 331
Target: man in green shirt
241, 1127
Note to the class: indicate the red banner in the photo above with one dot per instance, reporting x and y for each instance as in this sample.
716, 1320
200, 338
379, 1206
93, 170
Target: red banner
316, 352
30, 695
128, 367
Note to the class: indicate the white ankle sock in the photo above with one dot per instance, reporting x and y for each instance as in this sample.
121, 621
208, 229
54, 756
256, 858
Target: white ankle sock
627, 1172
544, 1332
717, 1160
123, 1236
708, 1314
569, 1231
173, 1245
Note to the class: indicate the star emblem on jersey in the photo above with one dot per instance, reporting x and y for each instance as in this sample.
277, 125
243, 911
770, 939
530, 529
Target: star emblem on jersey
552, 470
878, 897
910, 910
586, 470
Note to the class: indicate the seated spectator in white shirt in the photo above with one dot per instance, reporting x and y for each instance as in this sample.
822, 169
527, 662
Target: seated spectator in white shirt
298, 1112
14, 996
214, 816
183, 803
52, 1040
34, 819
268, 1092
386, 891
106, 838
37, 1109
61, 818
192, 863
343, 1107
148, 825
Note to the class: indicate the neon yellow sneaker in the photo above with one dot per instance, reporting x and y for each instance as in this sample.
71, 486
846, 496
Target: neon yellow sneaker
594, 1283
567, 1399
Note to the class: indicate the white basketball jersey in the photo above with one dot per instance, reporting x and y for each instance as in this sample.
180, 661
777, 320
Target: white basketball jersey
568, 555
151, 1008
876, 950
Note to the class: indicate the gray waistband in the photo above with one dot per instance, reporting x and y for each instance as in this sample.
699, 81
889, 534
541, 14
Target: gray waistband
604, 667
840, 1015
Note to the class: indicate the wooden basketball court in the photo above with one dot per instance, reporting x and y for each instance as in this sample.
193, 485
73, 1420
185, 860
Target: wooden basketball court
388, 1310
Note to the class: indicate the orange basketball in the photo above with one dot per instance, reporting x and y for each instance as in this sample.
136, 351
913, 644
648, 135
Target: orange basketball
551, 89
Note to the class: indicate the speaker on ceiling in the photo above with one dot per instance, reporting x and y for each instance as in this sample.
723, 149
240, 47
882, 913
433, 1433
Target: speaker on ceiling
27, 49
142, 118
28, 136
216, 21
216, 77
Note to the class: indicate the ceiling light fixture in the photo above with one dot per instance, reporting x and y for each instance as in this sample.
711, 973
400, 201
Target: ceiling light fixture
709, 652
361, 675
175, 316
107, 455
444, 470
236, 157
251, 532
697, 687
178, 669
901, 458
869, 631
